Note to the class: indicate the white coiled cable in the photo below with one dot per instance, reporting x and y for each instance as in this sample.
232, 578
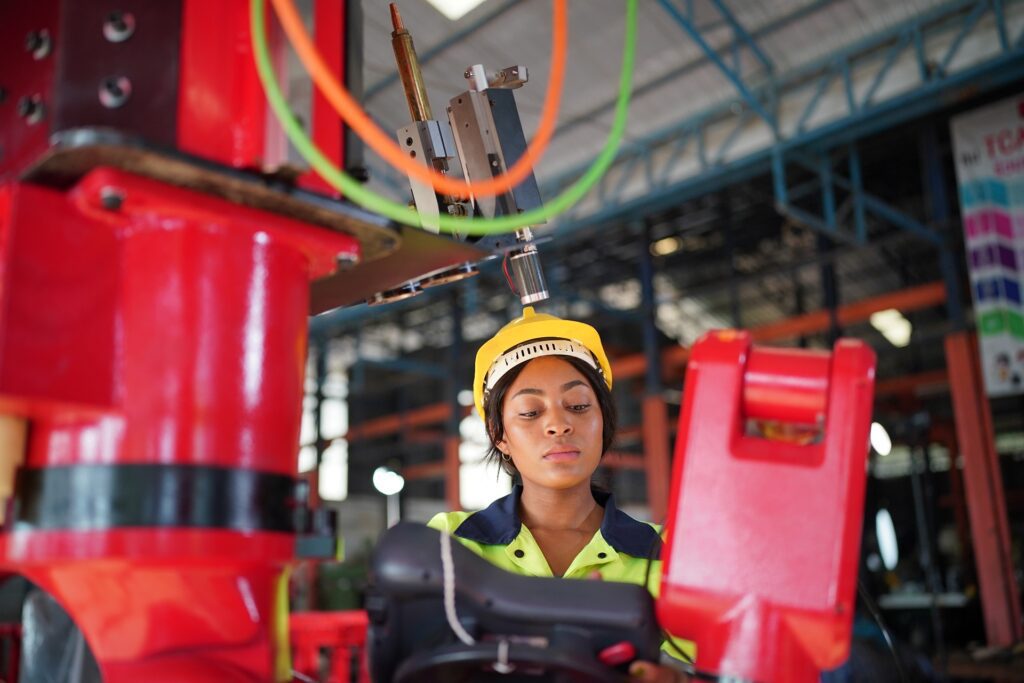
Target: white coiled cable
448, 574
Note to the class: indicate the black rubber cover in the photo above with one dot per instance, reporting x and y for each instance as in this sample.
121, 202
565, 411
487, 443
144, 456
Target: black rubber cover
99, 497
556, 627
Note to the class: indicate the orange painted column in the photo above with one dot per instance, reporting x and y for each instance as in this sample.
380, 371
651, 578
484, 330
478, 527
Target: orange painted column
986, 505
656, 461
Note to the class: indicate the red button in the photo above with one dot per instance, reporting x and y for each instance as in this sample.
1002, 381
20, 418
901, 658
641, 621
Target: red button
619, 653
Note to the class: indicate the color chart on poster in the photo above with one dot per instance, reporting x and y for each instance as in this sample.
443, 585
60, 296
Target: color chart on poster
988, 144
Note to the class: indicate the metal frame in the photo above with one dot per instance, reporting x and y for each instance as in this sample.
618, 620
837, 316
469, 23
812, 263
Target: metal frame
694, 155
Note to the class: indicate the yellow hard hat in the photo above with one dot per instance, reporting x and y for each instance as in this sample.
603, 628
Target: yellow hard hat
550, 336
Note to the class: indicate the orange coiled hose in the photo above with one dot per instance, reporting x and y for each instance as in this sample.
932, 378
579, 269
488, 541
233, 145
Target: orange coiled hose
381, 142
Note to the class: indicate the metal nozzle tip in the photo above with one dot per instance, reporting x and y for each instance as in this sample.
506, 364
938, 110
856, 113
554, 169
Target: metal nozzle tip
396, 18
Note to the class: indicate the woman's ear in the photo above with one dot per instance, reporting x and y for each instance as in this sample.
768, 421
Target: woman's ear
502, 445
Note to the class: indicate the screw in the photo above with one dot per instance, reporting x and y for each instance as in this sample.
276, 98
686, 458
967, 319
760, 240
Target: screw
31, 109
115, 91
111, 198
119, 26
38, 43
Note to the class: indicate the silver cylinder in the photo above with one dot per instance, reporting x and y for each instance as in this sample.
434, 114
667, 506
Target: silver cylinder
528, 276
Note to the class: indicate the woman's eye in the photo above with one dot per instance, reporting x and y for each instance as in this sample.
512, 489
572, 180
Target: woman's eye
528, 414
579, 407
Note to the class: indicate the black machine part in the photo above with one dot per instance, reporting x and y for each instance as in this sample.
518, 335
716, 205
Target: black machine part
554, 628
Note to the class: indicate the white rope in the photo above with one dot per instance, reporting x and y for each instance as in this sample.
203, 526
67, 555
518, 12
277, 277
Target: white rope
448, 572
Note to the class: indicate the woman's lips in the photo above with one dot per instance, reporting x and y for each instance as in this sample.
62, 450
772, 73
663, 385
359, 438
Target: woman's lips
562, 456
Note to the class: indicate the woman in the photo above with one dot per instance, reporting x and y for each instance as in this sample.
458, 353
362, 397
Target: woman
543, 388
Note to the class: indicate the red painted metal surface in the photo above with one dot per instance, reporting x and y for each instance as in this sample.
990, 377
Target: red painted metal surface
141, 323
25, 75
341, 634
329, 21
761, 554
786, 385
983, 484
222, 112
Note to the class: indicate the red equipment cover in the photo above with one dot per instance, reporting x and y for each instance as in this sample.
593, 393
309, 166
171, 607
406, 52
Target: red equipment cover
763, 535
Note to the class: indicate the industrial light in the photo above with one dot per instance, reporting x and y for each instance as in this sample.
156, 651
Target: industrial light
666, 246
455, 9
880, 440
893, 326
387, 481
885, 531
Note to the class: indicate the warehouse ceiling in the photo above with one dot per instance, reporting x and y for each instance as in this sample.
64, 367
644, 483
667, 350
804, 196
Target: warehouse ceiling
673, 78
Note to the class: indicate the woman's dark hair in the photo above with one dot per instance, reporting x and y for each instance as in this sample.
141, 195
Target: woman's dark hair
495, 399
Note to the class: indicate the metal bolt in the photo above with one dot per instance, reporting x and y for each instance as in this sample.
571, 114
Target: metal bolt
115, 91
31, 109
111, 198
119, 26
38, 43
347, 260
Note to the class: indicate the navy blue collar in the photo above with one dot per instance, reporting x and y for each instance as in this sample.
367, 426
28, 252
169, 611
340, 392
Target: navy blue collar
499, 524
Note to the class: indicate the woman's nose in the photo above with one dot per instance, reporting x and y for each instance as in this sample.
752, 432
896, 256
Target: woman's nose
559, 425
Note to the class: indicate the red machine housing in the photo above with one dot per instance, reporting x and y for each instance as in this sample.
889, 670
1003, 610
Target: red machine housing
153, 328
159, 352
341, 635
763, 535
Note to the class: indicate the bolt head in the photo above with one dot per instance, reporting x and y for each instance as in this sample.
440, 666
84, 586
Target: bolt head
346, 260
38, 43
111, 198
31, 109
119, 26
115, 91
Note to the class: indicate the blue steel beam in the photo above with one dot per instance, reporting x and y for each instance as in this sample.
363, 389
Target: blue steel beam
860, 225
861, 120
743, 37
733, 77
605, 107
972, 20
890, 59
822, 166
404, 365
1004, 38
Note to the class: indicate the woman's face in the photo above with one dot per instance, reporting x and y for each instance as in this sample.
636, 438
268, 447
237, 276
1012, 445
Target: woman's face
553, 424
